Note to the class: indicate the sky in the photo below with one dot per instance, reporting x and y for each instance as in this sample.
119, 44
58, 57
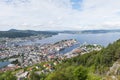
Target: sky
59, 14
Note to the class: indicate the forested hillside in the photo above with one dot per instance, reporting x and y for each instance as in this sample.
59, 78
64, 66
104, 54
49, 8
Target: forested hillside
90, 66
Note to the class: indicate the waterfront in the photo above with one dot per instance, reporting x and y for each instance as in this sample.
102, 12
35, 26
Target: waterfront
101, 38
32, 54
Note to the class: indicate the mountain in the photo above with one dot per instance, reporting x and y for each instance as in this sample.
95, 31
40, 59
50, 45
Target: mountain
13, 33
13, 30
89, 31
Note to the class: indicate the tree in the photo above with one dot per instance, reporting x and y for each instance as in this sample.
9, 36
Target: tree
56, 76
80, 73
34, 76
7, 76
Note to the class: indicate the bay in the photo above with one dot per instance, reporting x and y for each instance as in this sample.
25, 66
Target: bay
102, 38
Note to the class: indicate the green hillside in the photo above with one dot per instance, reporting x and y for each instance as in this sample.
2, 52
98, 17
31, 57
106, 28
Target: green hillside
90, 66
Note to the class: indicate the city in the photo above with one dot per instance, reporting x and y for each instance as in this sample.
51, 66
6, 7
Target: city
59, 39
21, 56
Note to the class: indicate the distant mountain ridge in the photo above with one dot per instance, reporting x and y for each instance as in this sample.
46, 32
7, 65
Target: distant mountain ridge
99, 31
14, 33
90, 31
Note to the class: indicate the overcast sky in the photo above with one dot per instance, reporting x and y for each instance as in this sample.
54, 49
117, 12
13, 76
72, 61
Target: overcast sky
59, 14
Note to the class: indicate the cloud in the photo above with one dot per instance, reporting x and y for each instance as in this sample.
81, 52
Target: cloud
59, 14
